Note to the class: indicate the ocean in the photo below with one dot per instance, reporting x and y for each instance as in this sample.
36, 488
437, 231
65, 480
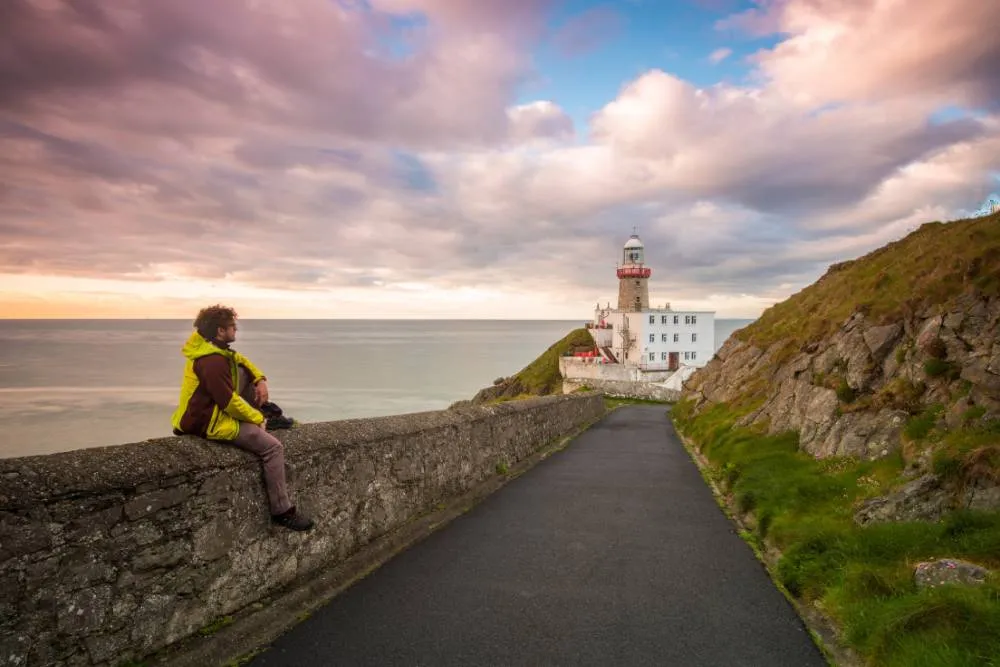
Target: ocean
74, 384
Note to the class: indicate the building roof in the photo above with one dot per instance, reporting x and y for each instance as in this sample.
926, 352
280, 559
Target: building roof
633, 242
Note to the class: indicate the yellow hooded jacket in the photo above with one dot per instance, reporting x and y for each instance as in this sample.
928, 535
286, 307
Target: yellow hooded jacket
210, 404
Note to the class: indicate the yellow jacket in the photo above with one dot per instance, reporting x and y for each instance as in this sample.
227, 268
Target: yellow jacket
210, 404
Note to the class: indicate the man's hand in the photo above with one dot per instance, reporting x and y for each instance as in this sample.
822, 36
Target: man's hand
262, 395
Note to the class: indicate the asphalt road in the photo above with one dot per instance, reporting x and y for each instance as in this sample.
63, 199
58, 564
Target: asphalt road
611, 552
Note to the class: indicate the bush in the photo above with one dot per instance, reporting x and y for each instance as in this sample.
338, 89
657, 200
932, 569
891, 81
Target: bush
919, 426
845, 392
935, 367
973, 413
901, 394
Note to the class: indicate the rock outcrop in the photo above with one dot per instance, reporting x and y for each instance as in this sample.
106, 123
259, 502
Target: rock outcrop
852, 393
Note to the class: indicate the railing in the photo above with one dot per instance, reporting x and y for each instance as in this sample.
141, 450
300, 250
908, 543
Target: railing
634, 272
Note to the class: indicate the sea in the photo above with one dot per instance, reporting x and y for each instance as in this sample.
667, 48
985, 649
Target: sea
75, 384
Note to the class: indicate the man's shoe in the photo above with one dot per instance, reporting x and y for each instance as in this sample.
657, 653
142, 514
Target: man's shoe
293, 520
270, 409
275, 423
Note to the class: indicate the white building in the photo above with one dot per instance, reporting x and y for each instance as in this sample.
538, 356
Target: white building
645, 338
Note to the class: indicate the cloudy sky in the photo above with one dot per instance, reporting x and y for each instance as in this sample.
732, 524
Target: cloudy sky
475, 158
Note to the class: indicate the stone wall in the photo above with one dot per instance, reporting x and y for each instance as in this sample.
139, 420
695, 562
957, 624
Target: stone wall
641, 390
110, 554
577, 368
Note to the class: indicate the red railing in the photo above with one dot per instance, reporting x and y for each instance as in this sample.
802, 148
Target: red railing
634, 272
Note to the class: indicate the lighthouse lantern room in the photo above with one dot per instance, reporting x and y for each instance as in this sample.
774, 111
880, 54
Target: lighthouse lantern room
633, 277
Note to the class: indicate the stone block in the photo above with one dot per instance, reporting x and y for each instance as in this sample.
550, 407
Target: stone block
214, 539
104, 647
19, 537
948, 571
93, 525
83, 611
154, 501
163, 555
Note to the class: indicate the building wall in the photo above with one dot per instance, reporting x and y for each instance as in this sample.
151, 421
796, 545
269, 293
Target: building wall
109, 554
602, 337
697, 338
638, 327
631, 289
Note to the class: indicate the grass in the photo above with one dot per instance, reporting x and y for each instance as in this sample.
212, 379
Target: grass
541, 377
929, 267
862, 577
215, 626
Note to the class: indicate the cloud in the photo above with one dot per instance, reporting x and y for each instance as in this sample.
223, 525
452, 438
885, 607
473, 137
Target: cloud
539, 120
588, 31
719, 55
870, 50
380, 153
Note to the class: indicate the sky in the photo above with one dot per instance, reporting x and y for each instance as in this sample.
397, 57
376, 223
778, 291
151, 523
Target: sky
472, 158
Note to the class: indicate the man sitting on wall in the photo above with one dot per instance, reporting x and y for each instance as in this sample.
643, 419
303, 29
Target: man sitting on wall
222, 394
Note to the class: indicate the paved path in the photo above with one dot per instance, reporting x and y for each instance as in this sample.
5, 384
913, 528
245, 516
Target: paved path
611, 552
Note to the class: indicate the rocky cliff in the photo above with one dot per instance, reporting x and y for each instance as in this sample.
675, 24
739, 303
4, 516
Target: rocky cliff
893, 352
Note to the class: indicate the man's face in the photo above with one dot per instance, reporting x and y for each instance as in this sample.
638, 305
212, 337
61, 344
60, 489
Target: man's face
227, 334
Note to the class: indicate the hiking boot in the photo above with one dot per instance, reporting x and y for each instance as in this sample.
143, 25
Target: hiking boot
279, 422
293, 520
270, 409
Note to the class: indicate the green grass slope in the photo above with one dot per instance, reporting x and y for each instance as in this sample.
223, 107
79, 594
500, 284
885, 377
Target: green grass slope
927, 268
541, 377
799, 511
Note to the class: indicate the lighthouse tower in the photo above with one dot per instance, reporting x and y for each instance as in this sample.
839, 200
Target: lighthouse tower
633, 277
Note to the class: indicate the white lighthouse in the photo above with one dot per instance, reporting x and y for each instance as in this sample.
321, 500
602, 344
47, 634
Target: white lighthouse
651, 343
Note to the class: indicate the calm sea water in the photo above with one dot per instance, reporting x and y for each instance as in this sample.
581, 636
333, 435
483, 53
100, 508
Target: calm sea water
72, 384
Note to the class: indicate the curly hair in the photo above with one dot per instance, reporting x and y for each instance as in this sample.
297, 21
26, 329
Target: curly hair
211, 318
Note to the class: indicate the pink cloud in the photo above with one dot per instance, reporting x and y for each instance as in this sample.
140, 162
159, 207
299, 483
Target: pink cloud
866, 50
311, 146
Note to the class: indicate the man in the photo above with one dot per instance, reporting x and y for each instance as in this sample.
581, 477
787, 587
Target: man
221, 396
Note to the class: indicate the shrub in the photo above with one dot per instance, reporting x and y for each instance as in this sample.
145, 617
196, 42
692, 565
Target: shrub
935, 367
973, 413
919, 426
901, 394
845, 392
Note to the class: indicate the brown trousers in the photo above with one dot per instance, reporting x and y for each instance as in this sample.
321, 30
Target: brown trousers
256, 439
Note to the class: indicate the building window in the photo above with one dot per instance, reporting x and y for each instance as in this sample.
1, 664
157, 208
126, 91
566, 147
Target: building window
663, 319
664, 338
687, 319
694, 355
677, 337
687, 356
652, 338
694, 319
663, 356
652, 319
677, 318
694, 338
652, 356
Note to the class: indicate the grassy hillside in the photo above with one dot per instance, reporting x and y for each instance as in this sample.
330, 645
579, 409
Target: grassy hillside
926, 268
797, 513
541, 377
801, 512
